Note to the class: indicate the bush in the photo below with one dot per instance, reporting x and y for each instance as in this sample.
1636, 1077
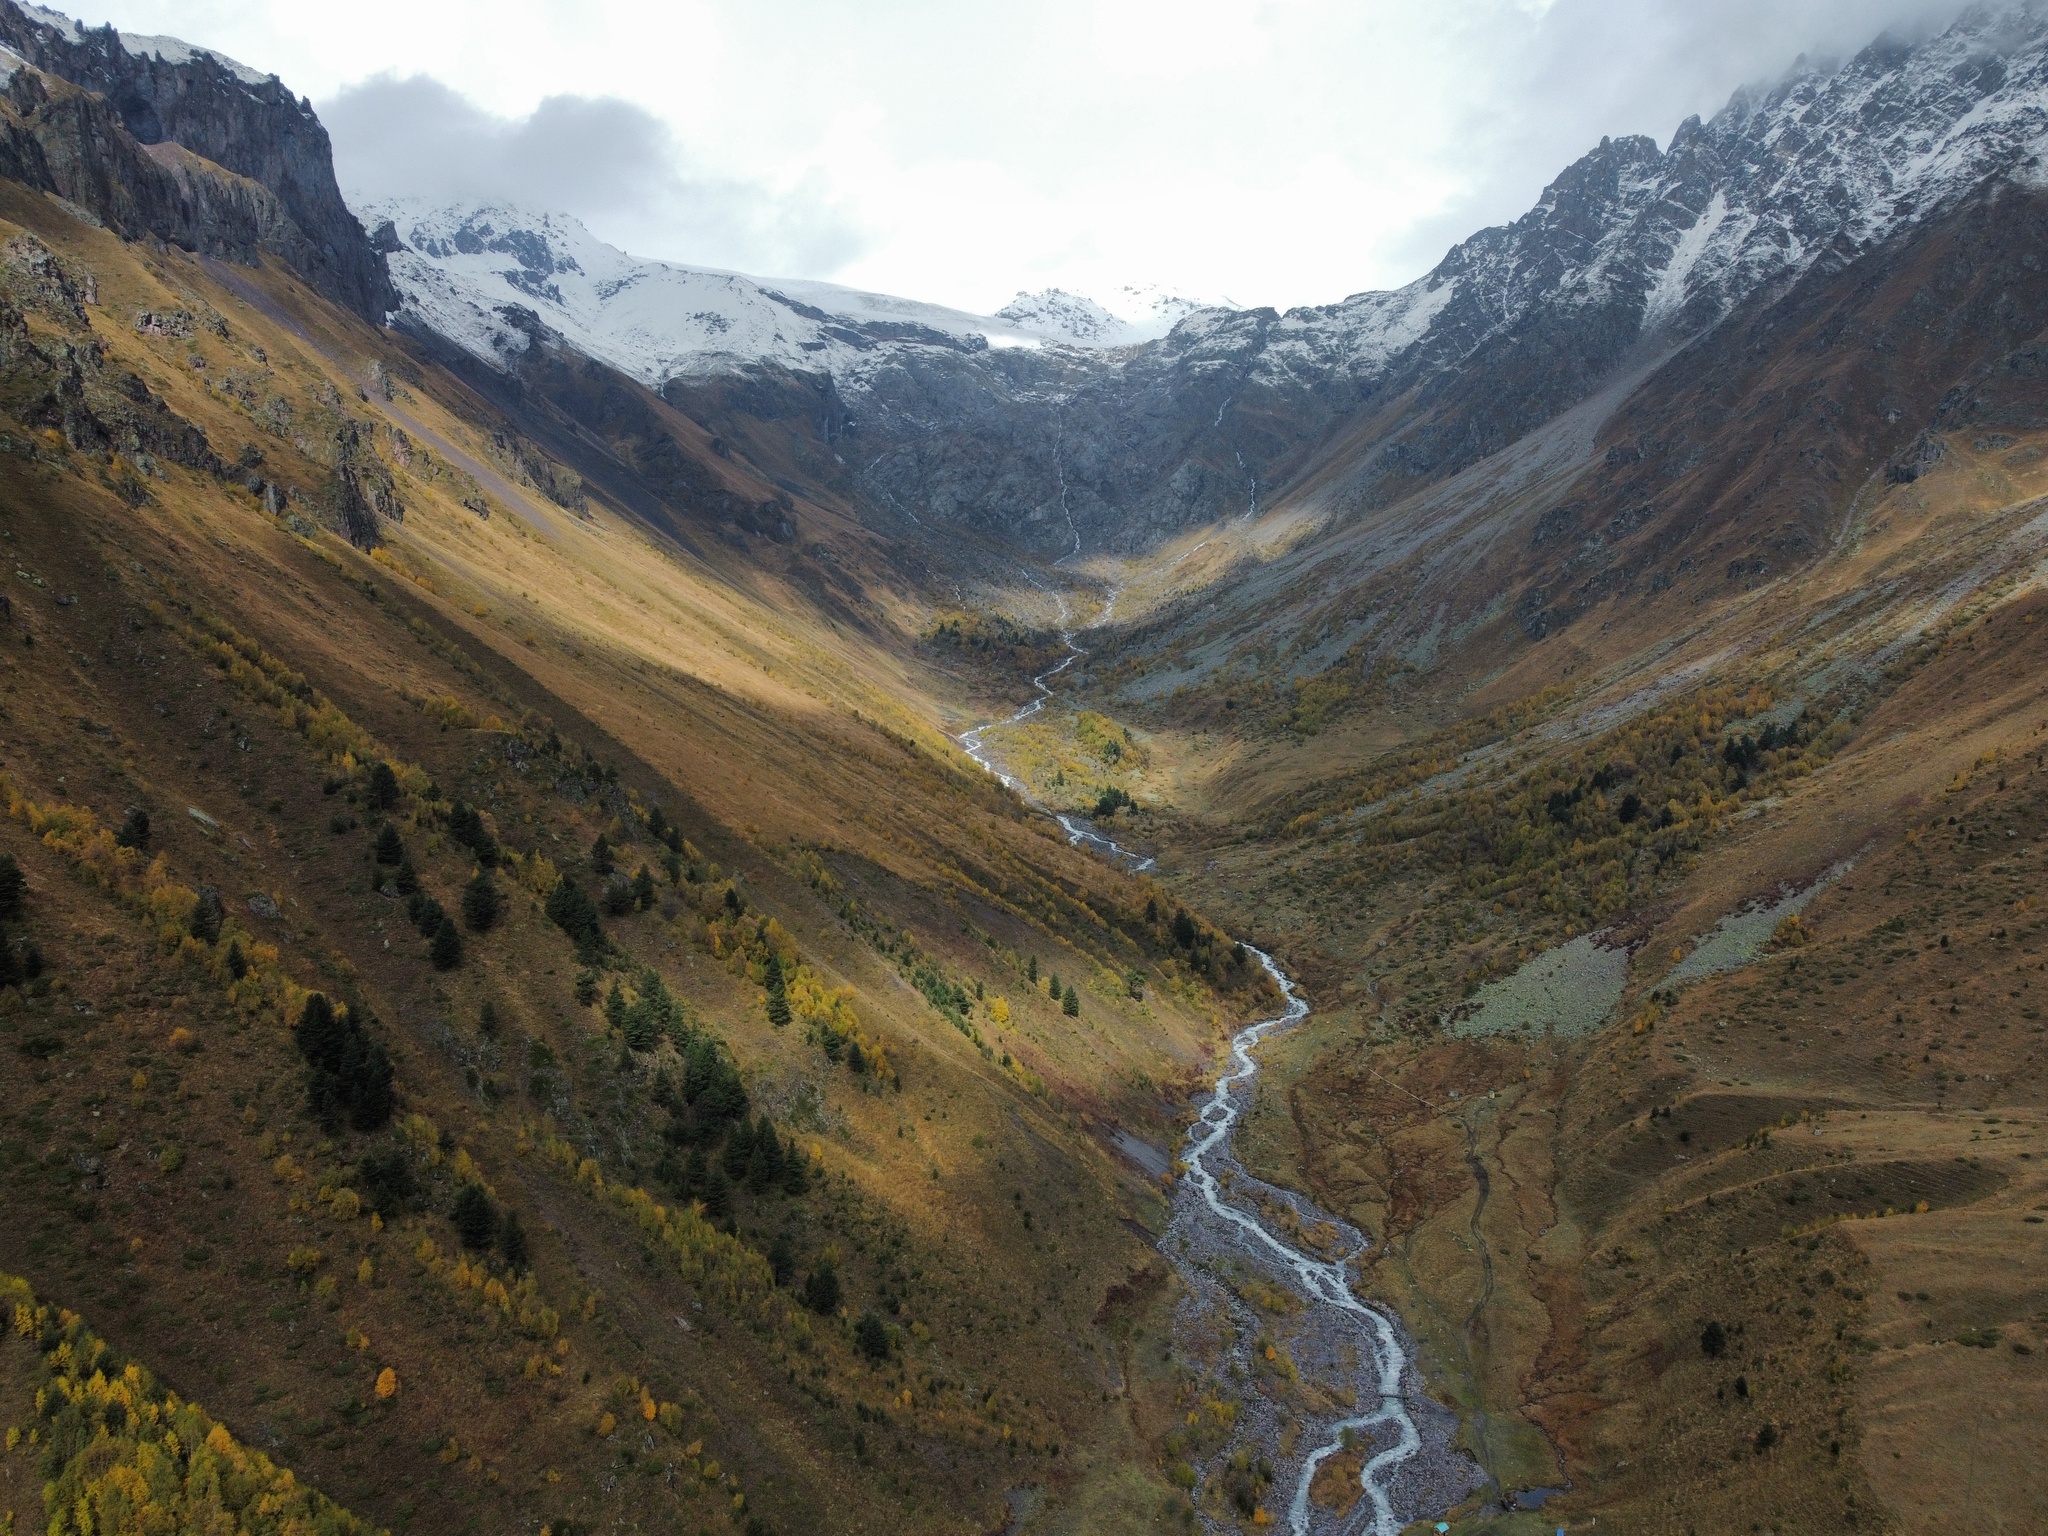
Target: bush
871, 1338
446, 949
482, 903
390, 847
821, 1289
383, 788
475, 1218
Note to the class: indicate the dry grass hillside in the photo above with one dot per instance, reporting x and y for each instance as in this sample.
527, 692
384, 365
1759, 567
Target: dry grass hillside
526, 1024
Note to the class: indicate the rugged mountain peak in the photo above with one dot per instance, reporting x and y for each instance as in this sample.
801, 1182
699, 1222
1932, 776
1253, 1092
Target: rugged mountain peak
1138, 313
164, 90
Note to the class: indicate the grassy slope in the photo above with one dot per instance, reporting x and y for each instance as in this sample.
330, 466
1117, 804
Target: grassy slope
787, 748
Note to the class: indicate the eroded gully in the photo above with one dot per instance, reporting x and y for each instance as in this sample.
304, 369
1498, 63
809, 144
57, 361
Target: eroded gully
1353, 1351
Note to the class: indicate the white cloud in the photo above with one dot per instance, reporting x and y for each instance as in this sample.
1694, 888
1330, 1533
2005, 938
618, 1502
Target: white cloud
1279, 151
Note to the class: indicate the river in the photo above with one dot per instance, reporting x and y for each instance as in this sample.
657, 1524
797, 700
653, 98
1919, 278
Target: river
1355, 1388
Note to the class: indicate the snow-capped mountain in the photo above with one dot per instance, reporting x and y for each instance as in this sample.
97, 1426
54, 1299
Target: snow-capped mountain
460, 268
1142, 313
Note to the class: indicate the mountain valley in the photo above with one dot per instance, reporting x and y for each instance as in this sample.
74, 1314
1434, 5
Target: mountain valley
553, 978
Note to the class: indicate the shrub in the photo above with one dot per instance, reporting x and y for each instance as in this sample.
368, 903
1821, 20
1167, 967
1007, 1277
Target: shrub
482, 903
821, 1289
475, 1218
871, 1337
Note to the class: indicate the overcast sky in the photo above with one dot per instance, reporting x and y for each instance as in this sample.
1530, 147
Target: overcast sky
1266, 151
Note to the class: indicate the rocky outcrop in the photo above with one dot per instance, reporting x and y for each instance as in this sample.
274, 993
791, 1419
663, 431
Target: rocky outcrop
246, 124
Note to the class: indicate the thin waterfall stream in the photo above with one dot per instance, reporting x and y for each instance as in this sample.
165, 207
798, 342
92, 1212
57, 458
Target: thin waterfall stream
1370, 1400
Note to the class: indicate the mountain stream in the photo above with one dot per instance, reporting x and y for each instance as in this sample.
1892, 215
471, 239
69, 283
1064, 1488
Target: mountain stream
1356, 1391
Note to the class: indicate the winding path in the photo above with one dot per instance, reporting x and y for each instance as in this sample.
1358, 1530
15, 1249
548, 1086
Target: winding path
1324, 1286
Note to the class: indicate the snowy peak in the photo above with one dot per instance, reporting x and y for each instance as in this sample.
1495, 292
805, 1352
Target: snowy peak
1140, 313
171, 50
468, 272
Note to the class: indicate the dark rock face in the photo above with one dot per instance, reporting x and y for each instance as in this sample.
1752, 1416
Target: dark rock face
252, 128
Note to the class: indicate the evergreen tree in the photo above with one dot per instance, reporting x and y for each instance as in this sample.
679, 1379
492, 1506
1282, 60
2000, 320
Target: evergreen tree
796, 1177
134, 831
739, 1149
383, 787
1184, 930
615, 1007
764, 1164
512, 1242
388, 1181
601, 862
672, 865
481, 902
390, 846
1052, 986
446, 950
10, 966
782, 1260
643, 889
467, 827
821, 1289
1031, 970
618, 898
405, 879
424, 913
12, 883
856, 1060
238, 963
487, 1020
570, 909
696, 1174
586, 988
207, 915
475, 1218
1070, 1005
778, 993
871, 1338
717, 1198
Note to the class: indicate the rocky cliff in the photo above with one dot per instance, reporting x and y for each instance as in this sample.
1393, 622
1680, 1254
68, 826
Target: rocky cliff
166, 96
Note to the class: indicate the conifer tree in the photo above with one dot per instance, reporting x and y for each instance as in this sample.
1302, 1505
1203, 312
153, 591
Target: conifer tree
383, 787
643, 889
1031, 970
446, 949
134, 831
764, 1165
586, 987
618, 897
512, 1242
615, 1007
405, 879
782, 1260
481, 902
238, 963
10, 966
390, 846
1070, 1005
739, 1149
717, 1198
778, 993
856, 1060
871, 1337
696, 1173
601, 862
12, 883
821, 1289
487, 1020
475, 1218
796, 1178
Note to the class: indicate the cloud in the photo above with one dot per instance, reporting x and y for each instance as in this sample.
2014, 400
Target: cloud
611, 163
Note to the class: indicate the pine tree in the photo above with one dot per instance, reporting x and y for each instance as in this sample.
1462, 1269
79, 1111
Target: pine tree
134, 831
10, 967
238, 963
618, 898
764, 1165
475, 1218
615, 1007
586, 988
717, 1198
405, 879
487, 1019
383, 787
446, 950
696, 1172
778, 993
782, 1260
1070, 1005
821, 1289
856, 1060
390, 846
512, 1242
12, 883
871, 1337
1031, 970
643, 889
601, 856
739, 1149
481, 902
